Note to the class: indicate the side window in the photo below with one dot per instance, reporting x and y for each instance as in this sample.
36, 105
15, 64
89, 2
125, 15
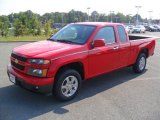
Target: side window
106, 33
122, 33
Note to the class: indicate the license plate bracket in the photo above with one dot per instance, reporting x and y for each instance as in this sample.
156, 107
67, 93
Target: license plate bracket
12, 78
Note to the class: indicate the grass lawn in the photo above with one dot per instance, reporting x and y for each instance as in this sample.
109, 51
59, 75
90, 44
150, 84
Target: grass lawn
23, 38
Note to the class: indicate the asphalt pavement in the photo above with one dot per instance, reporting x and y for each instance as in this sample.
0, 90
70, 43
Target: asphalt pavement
120, 95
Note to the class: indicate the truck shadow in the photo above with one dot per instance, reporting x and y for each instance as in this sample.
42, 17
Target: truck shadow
19, 103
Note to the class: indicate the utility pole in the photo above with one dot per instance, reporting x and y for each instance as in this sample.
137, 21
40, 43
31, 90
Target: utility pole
159, 20
138, 7
95, 17
12, 19
62, 18
129, 18
150, 17
88, 12
116, 18
111, 13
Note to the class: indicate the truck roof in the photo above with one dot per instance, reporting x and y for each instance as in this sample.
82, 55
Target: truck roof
99, 23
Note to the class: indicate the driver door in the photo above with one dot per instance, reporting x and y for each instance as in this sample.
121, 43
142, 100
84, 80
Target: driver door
104, 59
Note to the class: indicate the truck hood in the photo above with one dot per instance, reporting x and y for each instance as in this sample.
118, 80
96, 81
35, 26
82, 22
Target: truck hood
46, 49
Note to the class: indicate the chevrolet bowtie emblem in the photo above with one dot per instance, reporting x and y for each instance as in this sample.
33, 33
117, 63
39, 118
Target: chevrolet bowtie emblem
16, 61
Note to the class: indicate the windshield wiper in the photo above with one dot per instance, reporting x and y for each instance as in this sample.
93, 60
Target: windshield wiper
66, 41
51, 39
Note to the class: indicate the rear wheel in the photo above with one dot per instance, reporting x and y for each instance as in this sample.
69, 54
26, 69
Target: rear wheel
140, 64
68, 84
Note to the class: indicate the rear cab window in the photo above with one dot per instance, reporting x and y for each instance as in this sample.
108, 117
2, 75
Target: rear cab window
122, 33
107, 33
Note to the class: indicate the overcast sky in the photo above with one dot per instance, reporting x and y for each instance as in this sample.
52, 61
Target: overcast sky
102, 6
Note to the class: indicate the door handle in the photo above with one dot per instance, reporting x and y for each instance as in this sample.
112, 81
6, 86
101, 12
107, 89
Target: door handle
115, 48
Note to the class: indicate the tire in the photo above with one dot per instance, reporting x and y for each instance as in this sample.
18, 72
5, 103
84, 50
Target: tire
68, 84
140, 64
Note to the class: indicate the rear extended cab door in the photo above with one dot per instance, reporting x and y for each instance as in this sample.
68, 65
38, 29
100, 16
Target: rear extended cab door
124, 46
104, 59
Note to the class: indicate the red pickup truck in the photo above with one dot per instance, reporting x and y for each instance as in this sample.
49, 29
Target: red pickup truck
77, 52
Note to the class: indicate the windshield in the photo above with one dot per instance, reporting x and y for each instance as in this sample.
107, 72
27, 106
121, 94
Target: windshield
74, 33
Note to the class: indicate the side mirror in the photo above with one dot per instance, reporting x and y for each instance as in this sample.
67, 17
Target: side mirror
99, 43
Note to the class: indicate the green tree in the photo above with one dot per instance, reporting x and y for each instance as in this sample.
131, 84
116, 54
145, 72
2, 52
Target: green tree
134, 18
21, 24
47, 28
94, 16
36, 26
4, 25
27, 23
121, 18
20, 28
102, 18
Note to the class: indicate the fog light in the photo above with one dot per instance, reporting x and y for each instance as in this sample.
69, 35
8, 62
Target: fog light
37, 72
36, 87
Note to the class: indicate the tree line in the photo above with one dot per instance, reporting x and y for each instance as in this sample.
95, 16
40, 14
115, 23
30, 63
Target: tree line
29, 23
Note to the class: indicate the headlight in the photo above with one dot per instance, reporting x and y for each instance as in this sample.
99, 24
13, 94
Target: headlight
37, 72
39, 61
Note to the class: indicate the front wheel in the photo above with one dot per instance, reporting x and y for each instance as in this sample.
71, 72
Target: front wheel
140, 64
68, 84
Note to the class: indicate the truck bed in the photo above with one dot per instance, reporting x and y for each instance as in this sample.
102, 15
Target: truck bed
136, 37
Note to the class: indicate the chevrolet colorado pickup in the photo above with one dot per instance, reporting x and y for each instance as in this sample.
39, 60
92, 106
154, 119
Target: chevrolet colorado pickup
77, 52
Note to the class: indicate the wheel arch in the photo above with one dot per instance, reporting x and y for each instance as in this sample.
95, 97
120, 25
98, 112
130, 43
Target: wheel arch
78, 66
145, 51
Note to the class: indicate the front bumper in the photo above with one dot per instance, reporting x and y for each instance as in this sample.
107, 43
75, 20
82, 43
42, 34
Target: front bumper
35, 84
